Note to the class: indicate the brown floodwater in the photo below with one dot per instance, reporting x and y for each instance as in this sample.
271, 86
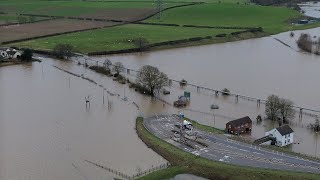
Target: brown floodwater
46, 132
311, 9
256, 67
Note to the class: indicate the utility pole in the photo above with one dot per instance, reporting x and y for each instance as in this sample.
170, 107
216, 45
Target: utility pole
315, 152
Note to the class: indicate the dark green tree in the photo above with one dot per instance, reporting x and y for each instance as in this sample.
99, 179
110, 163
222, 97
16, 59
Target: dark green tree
63, 51
27, 55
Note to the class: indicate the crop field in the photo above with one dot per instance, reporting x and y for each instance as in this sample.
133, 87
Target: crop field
30, 30
119, 37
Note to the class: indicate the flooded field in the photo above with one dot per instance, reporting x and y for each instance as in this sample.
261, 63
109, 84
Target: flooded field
46, 131
311, 9
257, 68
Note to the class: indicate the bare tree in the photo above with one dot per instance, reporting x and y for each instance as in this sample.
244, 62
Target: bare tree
272, 107
152, 79
141, 43
107, 63
118, 67
286, 110
315, 126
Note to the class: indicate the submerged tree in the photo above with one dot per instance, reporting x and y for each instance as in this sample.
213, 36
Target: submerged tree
279, 109
316, 125
152, 79
63, 51
272, 107
286, 110
107, 63
27, 55
118, 67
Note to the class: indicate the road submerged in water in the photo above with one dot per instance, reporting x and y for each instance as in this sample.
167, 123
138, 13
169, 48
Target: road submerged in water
220, 148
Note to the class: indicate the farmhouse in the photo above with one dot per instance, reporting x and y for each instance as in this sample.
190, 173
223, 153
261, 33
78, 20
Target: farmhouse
283, 135
239, 126
9, 53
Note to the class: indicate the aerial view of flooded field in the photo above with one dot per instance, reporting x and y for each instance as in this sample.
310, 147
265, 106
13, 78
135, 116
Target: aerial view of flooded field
48, 133
159, 90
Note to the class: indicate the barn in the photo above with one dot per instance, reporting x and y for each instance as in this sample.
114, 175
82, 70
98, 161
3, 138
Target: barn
239, 126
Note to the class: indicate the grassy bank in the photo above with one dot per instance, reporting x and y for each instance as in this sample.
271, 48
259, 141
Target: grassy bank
184, 162
205, 128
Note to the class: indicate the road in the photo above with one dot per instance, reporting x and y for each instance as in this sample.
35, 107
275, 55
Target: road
221, 148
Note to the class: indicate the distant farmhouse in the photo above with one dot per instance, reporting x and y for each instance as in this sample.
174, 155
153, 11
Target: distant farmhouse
9, 53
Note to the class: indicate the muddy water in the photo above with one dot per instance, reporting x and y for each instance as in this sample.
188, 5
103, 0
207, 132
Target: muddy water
46, 132
311, 9
257, 67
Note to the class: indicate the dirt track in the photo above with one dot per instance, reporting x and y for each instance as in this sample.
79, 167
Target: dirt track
15, 32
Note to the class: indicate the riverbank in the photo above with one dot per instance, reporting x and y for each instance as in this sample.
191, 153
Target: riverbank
184, 162
11, 63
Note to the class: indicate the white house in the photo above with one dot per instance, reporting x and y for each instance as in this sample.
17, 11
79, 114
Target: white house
9, 53
3, 53
283, 135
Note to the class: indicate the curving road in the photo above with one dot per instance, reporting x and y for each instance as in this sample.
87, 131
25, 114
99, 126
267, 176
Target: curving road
220, 148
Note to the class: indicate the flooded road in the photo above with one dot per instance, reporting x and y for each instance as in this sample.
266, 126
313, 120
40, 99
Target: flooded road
46, 132
256, 67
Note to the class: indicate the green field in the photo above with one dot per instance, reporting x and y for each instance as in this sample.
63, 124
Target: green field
69, 8
184, 162
272, 19
228, 13
116, 38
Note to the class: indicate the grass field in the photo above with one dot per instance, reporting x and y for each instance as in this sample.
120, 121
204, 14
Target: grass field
228, 13
118, 37
272, 19
69, 8
184, 162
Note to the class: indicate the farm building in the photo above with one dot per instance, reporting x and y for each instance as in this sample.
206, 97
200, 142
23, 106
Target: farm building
9, 53
239, 126
283, 135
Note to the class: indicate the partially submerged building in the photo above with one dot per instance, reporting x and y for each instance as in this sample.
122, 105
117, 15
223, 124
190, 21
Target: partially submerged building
283, 135
239, 126
280, 136
9, 53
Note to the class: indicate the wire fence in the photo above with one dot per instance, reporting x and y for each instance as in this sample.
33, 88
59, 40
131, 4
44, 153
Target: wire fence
134, 176
300, 110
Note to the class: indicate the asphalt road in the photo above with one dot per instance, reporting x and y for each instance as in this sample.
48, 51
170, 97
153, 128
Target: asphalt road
220, 148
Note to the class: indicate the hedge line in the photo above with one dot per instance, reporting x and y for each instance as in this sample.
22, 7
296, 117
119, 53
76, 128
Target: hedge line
41, 20
56, 34
175, 42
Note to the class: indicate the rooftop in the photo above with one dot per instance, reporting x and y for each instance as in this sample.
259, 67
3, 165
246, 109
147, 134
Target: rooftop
284, 130
241, 121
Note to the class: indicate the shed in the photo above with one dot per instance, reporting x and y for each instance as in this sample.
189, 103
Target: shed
239, 126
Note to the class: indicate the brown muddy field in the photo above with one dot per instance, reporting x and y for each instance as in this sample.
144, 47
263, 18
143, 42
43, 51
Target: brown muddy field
125, 14
15, 32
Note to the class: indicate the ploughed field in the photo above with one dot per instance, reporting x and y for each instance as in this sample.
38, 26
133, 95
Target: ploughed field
30, 30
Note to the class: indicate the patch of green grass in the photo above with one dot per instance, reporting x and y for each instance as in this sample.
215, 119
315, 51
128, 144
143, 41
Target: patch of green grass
70, 8
272, 19
209, 169
205, 128
119, 37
